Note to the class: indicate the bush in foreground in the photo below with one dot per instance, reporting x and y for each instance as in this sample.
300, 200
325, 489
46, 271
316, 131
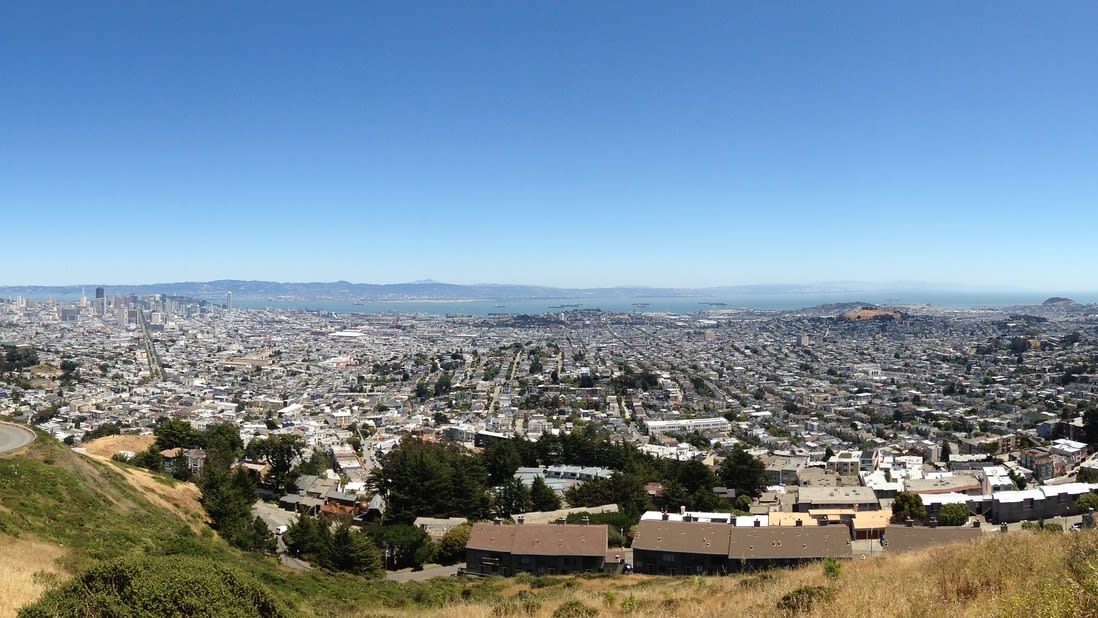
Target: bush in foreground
159, 586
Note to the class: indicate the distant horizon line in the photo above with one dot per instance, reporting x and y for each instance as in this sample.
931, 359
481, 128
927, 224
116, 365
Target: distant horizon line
828, 286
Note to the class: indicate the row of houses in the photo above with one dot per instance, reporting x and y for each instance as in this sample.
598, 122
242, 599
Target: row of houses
696, 544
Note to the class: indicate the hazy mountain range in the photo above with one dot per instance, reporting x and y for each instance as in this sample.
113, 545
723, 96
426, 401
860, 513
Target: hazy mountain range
425, 290
346, 292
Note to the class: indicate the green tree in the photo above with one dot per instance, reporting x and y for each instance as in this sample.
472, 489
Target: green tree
443, 384
451, 548
947, 451
501, 459
315, 465
353, 552
228, 498
429, 479
1087, 501
149, 458
106, 429
744, 473
408, 545
308, 538
542, 497
953, 515
280, 452
175, 433
223, 446
625, 490
421, 389
1087, 475
906, 505
512, 498
1018, 480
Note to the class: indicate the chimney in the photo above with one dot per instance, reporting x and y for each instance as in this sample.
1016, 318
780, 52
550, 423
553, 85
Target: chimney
757, 523
497, 521
521, 519
664, 515
799, 523
682, 510
933, 523
909, 522
586, 520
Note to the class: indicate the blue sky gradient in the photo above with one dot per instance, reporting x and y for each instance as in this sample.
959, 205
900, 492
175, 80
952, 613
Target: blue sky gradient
572, 144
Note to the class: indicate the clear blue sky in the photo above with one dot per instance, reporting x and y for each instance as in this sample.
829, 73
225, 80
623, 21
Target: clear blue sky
556, 143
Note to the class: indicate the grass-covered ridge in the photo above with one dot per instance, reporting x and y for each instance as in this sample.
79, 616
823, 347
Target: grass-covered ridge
94, 511
65, 513
88, 506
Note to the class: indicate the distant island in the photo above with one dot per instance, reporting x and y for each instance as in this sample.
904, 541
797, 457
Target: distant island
1058, 300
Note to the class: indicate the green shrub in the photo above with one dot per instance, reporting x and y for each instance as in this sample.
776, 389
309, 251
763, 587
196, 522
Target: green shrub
158, 586
757, 580
575, 609
803, 599
629, 604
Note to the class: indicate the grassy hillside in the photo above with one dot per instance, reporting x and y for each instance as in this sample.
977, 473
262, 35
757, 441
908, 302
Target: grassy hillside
61, 513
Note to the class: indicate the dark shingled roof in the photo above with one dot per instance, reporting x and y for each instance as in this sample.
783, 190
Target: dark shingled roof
682, 537
491, 537
540, 539
902, 538
771, 543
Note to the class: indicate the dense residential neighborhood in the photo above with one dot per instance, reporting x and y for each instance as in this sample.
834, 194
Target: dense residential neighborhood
583, 440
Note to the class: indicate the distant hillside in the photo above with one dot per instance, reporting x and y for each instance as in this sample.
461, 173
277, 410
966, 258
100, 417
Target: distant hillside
871, 313
1058, 300
430, 290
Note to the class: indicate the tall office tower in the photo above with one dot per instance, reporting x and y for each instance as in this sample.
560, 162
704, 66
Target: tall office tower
99, 293
228, 300
83, 298
100, 302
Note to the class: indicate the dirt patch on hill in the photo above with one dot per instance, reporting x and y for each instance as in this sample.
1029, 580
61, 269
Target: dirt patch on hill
872, 314
169, 494
107, 446
181, 498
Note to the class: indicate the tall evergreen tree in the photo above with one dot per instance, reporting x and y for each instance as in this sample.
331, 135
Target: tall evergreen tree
542, 497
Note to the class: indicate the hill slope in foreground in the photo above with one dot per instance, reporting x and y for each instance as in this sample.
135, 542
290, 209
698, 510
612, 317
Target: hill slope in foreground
62, 513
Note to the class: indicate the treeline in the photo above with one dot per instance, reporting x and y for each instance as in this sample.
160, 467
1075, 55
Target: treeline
444, 480
369, 550
228, 490
17, 358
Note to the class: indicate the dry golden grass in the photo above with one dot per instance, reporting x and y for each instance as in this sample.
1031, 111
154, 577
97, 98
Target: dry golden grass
27, 568
178, 497
1020, 575
868, 314
107, 446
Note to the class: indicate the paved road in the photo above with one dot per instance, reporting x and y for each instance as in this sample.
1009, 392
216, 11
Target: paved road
429, 571
275, 517
14, 436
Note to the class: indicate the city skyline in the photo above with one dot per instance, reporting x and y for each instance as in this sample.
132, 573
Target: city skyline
564, 145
